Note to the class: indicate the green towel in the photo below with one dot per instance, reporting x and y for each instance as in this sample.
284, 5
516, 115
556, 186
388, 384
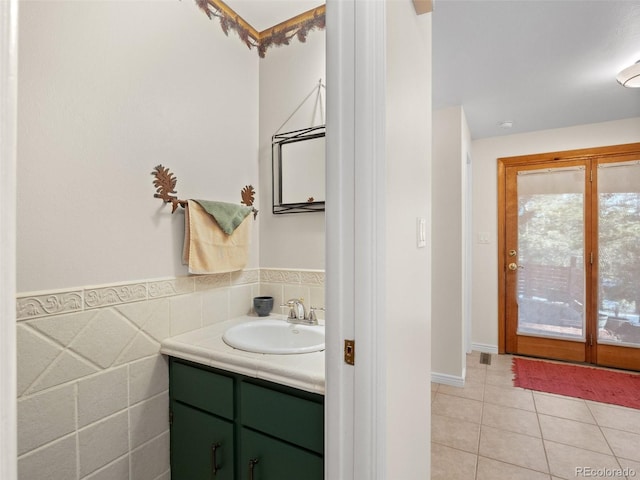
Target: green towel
227, 215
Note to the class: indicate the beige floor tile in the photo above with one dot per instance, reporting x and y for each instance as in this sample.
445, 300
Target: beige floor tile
499, 378
566, 461
489, 469
624, 444
616, 417
501, 362
457, 407
514, 448
509, 397
474, 391
576, 434
451, 464
558, 406
473, 358
473, 354
511, 419
475, 375
507, 443
455, 433
474, 364
631, 469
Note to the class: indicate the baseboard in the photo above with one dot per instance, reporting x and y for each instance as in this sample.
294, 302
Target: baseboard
483, 347
445, 379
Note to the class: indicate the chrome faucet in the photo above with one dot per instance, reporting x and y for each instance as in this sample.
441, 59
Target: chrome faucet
296, 309
298, 313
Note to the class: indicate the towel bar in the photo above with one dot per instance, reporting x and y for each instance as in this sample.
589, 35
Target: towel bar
165, 183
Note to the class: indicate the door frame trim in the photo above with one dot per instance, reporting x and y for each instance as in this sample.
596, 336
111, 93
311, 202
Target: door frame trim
503, 163
8, 166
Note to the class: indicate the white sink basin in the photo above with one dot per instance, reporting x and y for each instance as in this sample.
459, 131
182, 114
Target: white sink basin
275, 336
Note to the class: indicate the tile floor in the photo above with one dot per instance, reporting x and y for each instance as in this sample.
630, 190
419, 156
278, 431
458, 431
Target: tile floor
491, 430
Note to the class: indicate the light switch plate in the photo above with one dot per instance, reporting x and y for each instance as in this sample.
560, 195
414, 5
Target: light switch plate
421, 232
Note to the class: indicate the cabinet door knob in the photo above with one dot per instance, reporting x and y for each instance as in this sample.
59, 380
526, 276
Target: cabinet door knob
214, 461
252, 465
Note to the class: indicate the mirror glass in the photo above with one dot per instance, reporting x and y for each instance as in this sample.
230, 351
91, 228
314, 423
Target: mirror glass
299, 170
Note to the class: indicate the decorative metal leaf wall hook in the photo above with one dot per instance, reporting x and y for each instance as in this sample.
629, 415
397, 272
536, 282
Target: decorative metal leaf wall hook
165, 184
248, 194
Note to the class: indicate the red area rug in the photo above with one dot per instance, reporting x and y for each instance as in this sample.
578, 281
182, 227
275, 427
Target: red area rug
598, 384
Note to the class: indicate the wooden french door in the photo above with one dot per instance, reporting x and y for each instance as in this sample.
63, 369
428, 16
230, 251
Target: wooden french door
569, 255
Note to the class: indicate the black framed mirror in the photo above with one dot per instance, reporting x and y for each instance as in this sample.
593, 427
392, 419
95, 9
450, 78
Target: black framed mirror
298, 170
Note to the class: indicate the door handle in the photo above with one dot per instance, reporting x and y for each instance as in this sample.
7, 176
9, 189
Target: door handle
214, 461
515, 266
252, 465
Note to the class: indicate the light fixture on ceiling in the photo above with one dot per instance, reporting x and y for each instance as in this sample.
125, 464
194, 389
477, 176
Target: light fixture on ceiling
630, 76
506, 124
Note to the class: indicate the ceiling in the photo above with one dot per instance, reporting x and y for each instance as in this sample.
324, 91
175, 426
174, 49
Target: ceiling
263, 14
540, 64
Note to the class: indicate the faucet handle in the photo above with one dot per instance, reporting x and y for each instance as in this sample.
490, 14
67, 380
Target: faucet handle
312, 314
291, 305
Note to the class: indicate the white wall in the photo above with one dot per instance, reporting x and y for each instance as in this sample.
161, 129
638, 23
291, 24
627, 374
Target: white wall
407, 322
450, 147
109, 90
467, 238
485, 154
287, 75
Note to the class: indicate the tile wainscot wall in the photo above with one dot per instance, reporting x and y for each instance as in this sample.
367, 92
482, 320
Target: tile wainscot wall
92, 386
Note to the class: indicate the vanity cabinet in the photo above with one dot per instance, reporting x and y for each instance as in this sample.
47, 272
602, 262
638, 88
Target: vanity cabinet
229, 426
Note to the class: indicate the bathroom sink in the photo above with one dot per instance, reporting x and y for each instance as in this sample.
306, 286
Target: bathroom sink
275, 337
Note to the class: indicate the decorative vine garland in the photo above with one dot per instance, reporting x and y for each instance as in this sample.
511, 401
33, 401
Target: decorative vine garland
268, 38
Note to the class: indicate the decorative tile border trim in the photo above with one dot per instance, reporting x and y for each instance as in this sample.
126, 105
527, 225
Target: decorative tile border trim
307, 277
207, 282
43, 304
103, 297
312, 277
245, 277
169, 288
49, 304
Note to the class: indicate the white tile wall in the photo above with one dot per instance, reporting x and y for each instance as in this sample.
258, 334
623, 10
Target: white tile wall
102, 395
93, 389
151, 460
45, 417
148, 419
286, 284
35, 354
147, 378
113, 471
55, 461
102, 442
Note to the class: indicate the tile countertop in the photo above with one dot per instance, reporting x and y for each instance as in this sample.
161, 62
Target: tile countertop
205, 346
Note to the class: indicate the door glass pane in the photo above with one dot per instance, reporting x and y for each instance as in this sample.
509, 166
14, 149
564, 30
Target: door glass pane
550, 254
619, 253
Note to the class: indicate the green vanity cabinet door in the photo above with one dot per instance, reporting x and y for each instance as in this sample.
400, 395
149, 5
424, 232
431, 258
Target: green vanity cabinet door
276, 460
202, 388
295, 417
198, 440
242, 419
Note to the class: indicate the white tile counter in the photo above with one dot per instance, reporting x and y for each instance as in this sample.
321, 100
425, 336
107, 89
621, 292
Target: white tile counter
205, 346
